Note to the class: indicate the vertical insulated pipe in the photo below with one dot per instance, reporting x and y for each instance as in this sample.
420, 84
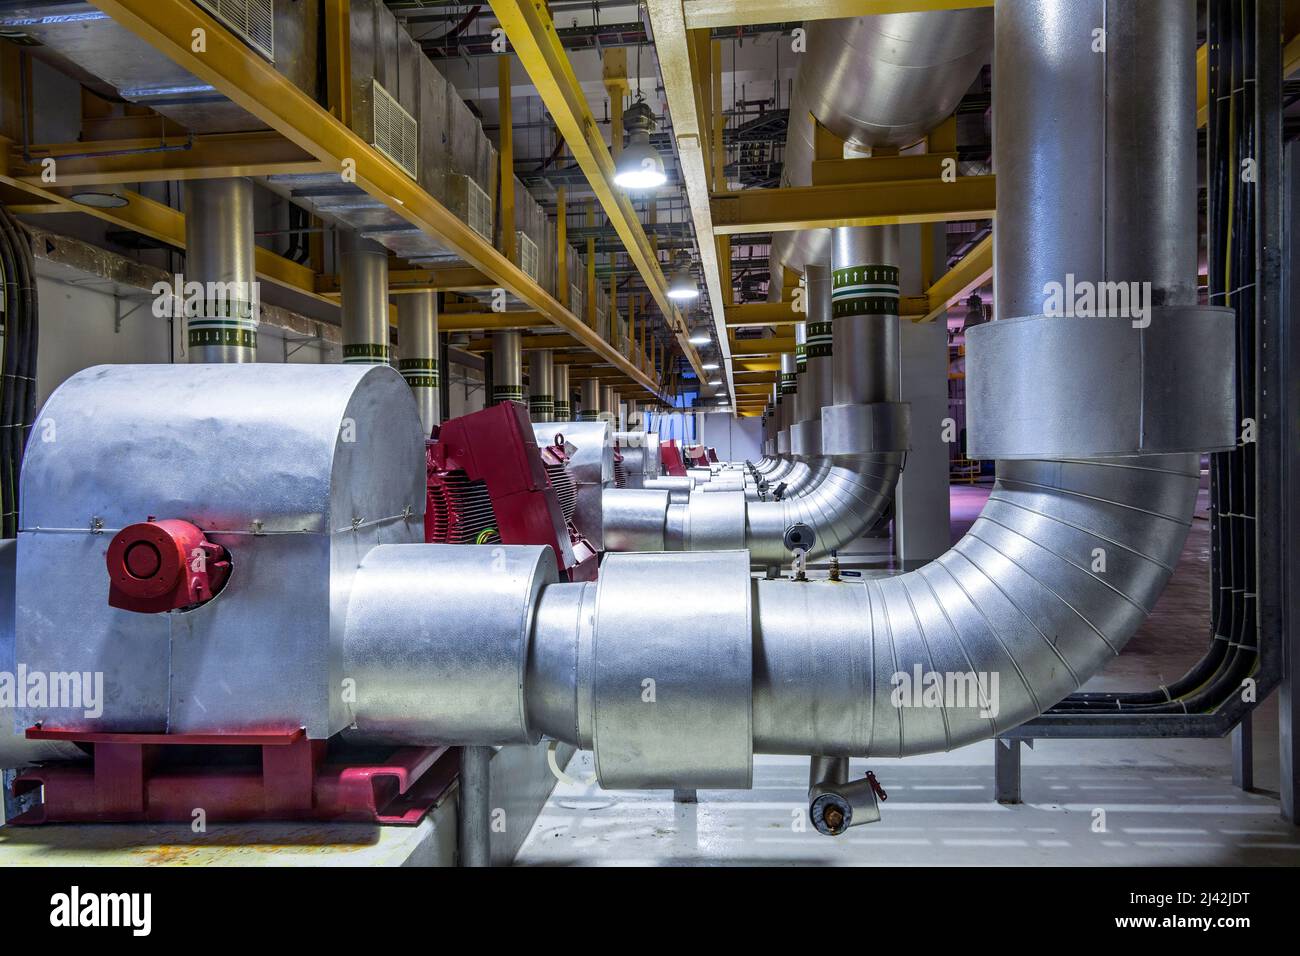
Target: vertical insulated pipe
474, 816
610, 406
562, 393
364, 269
222, 326
541, 397
789, 387
417, 338
507, 368
818, 346
864, 306
590, 401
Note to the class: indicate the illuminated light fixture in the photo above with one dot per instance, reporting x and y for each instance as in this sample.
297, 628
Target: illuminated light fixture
715, 381
100, 200
710, 366
640, 167
682, 286
701, 338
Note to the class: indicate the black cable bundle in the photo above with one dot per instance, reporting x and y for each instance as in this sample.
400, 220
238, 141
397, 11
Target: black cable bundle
18, 381
1233, 652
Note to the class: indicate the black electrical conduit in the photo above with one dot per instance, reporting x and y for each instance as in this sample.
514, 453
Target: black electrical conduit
18, 368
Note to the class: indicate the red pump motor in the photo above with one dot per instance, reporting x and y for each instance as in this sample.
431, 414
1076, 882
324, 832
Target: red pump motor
168, 565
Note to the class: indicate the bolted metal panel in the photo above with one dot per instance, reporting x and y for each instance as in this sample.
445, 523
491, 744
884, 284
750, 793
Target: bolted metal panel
222, 325
363, 266
1045, 387
668, 712
437, 642
417, 339
302, 471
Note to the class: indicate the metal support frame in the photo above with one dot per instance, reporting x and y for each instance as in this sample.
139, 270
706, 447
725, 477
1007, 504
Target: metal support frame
532, 34
238, 73
1006, 769
474, 808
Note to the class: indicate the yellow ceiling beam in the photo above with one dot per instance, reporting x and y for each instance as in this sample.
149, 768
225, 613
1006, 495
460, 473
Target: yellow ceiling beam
776, 345
974, 269
237, 72
402, 281
680, 57
860, 204
218, 156
711, 14
488, 321
531, 32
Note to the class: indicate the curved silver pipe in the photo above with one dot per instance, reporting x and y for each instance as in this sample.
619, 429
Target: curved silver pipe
875, 81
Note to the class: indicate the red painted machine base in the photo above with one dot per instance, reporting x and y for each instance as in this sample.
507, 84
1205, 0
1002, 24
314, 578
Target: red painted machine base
275, 776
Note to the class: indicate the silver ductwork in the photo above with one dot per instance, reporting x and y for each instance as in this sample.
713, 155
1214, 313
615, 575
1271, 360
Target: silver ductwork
221, 326
417, 339
1014, 617
875, 81
363, 267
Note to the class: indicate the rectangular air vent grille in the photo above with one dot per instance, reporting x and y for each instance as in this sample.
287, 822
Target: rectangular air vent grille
252, 20
397, 134
529, 260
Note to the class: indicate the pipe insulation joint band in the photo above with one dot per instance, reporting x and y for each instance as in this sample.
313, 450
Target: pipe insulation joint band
1160, 384
416, 678
667, 712
878, 428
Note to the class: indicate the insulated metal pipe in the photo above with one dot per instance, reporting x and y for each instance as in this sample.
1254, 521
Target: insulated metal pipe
864, 303
417, 339
222, 324
563, 396
541, 396
610, 406
884, 80
507, 367
363, 265
590, 400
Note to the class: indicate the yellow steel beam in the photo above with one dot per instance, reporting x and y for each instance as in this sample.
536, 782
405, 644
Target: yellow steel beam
865, 204
161, 222
776, 345
338, 58
757, 365
710, 14
881, 169
562, 246
402, 281
217, 156
974, 269
238, 73
485, 321
678, 55
531, 32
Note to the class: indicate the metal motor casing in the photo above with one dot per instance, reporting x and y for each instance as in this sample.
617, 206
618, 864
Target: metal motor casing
591, 468
297, 470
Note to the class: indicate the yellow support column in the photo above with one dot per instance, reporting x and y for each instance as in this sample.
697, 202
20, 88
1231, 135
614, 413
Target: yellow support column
338, 58
719, 121
613, 66
507, 218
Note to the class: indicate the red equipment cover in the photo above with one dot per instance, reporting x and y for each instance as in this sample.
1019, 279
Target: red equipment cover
670, 456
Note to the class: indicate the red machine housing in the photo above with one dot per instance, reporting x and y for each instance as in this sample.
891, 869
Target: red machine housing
670, 456
697, 456
156, 566
486, 474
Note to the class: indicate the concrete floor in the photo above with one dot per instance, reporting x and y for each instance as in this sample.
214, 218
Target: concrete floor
1110, 803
